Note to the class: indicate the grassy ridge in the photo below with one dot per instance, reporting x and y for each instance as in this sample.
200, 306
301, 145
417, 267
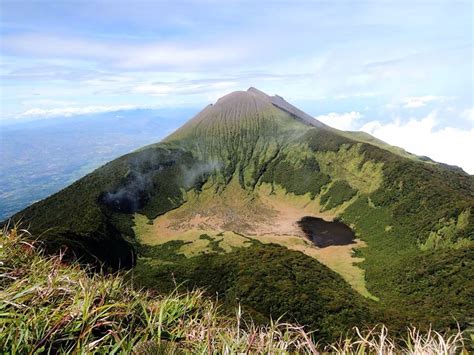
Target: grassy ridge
49, 306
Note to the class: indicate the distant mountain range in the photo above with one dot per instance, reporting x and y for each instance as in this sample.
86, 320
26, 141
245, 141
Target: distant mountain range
225, 203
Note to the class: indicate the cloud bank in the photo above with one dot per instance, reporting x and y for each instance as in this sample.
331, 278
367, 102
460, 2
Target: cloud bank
421, 101
344, 121
71, 111
422, 137
152, 54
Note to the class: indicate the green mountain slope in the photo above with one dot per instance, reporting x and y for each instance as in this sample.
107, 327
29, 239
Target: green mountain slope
204, 205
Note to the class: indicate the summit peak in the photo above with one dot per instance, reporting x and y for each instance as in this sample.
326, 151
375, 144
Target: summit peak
256, 91
239, 110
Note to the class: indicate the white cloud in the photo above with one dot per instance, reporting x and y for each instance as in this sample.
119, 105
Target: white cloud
344, 121
420, 136
124, 55
71, 111
184, 88
47, 102
420, 101
468, 114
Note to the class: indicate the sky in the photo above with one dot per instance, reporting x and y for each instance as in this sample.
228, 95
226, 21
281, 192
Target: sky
400, 70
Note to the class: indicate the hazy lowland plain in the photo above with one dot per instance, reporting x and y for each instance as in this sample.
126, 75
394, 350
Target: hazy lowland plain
43, 156
218, 205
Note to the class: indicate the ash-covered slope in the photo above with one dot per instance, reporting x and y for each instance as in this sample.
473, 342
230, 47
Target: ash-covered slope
415, 217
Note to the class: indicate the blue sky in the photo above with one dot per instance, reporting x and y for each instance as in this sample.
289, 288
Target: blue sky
401, 70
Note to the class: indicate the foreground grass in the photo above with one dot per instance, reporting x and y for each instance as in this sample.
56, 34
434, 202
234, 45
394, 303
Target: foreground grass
49, 306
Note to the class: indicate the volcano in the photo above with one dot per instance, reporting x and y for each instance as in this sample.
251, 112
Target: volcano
216, 205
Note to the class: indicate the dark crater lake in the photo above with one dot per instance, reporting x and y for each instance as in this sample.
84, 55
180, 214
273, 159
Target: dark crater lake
324, 234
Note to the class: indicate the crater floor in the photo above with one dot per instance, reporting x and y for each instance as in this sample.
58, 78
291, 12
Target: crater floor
234, 216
